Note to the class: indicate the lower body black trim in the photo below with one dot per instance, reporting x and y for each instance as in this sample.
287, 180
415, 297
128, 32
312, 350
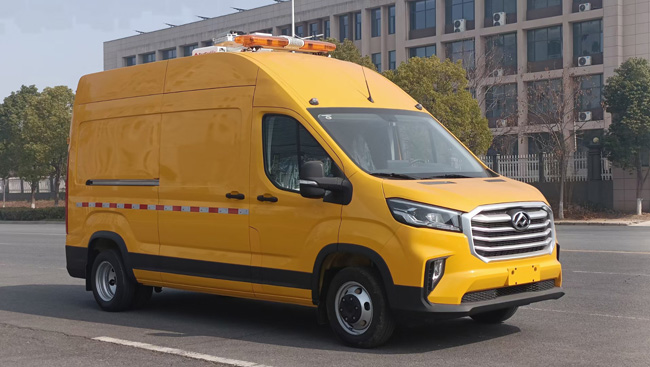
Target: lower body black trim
224, 271
76, 258
411, 301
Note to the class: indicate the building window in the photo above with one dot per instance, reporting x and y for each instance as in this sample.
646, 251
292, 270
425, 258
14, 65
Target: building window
588, 39
423, 14
375, 17
392, 60
543, 96
209, 43
545, 44
462, 50
344, 27
590, 96
284, 31
501, 53
313, 30
168, 54
147, 58
391, 19
501, 101
357, 26
300, 31
424, 51
498, 6
459, 9
542, 4
187, 50
129, 61
376, 59
326, 26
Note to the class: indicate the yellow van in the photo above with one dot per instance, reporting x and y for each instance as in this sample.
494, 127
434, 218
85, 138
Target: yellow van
294, 178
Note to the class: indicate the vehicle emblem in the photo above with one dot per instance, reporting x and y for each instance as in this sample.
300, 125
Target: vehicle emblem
520, 221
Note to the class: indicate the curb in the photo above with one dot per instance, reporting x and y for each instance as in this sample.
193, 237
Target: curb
32, 221
612, 224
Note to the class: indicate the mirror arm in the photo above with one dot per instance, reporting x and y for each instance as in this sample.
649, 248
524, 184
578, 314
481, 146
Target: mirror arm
327, 183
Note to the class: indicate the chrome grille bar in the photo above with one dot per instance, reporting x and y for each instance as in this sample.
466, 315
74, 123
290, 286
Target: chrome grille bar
492, 235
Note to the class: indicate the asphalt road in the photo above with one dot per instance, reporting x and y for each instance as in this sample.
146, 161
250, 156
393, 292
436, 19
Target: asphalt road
48, 319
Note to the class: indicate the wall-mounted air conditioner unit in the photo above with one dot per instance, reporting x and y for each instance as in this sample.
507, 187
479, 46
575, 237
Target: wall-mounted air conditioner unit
584, 60
498, 73
584, 116
502, 123
499, 19
459, 25
584, 7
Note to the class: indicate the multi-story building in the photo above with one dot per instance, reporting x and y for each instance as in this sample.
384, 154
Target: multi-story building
507, 46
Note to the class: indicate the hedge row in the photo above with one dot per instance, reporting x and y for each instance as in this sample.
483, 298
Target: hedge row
29, 214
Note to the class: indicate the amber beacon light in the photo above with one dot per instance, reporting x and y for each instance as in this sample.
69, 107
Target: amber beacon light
284, 43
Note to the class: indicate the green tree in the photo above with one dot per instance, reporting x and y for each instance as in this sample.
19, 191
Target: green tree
50, 116
347, 51
627, 98
441, 87
13, 116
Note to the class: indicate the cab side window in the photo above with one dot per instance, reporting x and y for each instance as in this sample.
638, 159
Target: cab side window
287, 146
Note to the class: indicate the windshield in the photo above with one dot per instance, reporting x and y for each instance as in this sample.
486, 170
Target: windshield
398, 144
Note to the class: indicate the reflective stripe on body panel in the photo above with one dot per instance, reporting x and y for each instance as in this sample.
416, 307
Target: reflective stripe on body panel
174, 208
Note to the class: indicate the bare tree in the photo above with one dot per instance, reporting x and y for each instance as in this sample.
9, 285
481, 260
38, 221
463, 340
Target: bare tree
553, 124
489, 79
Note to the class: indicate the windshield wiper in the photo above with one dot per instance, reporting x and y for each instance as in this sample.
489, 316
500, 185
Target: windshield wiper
446, 176
393, 175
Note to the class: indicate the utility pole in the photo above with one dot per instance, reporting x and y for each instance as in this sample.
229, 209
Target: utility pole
293, 18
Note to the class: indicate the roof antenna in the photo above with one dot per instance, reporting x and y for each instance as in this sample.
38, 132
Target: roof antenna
367, 86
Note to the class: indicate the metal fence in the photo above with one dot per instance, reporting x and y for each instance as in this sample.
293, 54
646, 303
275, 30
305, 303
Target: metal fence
526, 168
17, 186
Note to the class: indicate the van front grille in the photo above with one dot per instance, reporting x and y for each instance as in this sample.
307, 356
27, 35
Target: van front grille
493, 236
492, 294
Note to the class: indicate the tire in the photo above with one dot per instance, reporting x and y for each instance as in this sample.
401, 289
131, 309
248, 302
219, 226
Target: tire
112, 288
495, 317
365, 321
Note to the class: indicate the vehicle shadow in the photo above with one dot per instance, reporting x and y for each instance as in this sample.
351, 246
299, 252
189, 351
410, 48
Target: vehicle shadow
182, 314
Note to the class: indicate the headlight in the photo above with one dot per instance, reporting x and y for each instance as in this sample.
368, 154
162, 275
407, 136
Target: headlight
421, 215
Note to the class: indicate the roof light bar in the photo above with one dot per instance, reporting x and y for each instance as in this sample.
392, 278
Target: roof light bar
284, 43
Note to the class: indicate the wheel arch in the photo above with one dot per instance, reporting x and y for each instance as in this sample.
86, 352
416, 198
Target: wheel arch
358, 252
104, 240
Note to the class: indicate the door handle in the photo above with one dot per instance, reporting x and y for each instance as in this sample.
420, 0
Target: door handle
271, 199
235, 195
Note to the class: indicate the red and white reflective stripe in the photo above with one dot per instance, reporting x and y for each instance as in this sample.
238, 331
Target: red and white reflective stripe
167, 208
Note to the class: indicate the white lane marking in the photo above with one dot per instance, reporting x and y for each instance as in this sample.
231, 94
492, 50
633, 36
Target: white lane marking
178, 352
607, 252
606, 273
589, 314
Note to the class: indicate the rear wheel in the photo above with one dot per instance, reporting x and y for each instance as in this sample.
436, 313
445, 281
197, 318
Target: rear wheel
495, 317
357, 308
112, 288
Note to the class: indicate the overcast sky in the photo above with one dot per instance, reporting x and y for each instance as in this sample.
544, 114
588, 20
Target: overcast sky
55, 42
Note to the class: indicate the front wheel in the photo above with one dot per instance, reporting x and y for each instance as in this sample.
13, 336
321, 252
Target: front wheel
357, 308
495, 317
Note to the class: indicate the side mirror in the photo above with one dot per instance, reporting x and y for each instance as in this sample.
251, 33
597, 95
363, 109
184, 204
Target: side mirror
309, 173
314, 184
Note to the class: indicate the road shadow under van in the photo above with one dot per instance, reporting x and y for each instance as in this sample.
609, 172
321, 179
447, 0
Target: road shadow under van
178, 314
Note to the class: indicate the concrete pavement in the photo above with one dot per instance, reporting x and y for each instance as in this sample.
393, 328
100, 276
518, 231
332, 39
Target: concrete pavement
47, 318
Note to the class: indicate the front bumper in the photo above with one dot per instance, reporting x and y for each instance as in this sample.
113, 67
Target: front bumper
410, 299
